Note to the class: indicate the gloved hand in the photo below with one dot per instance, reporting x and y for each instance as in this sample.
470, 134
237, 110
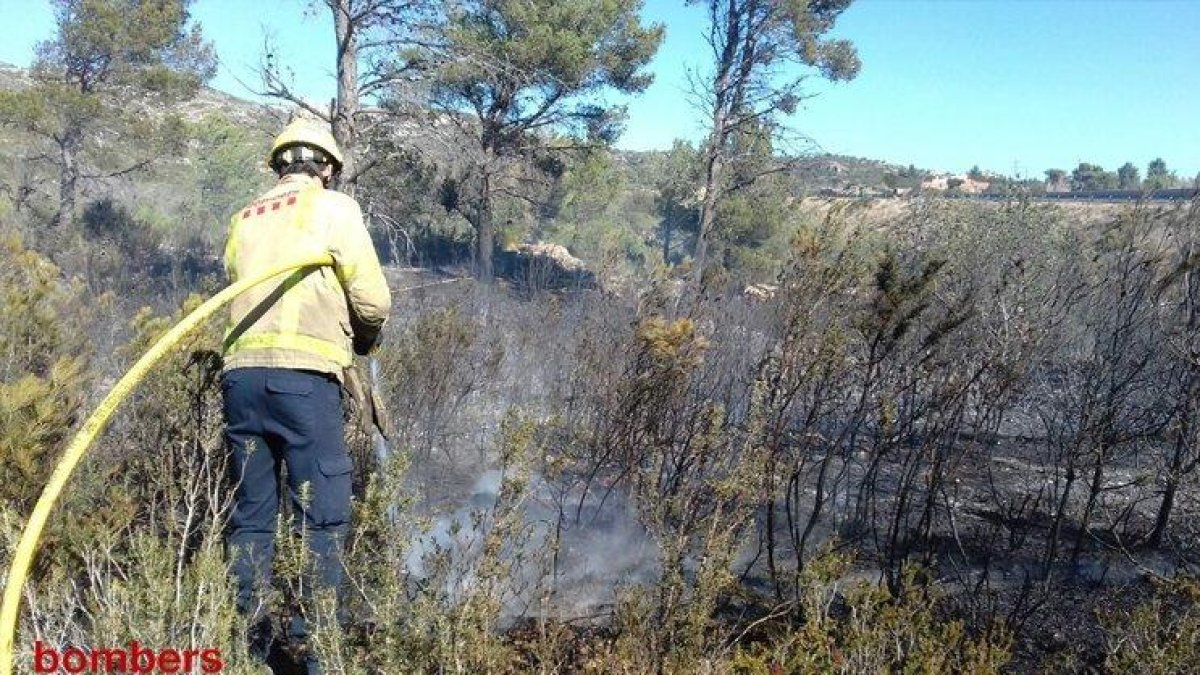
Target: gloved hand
364, 345
366, 336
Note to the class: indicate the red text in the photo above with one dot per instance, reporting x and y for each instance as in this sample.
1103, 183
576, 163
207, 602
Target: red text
133, 658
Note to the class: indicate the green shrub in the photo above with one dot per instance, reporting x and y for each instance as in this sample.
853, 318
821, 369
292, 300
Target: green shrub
860, 627
43, 370
1159, 636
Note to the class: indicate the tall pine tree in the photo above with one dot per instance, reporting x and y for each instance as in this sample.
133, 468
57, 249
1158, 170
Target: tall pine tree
519, 73
762, 51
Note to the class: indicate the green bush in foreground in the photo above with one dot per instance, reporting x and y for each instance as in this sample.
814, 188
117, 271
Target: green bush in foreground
1159, 636
865, 629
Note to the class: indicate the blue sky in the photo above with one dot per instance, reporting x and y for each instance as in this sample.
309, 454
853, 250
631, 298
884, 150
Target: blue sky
1014, 86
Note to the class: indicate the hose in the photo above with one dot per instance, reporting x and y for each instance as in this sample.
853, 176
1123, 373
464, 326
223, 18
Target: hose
23, 558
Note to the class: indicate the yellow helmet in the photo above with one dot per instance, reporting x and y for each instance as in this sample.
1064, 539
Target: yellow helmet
302, 134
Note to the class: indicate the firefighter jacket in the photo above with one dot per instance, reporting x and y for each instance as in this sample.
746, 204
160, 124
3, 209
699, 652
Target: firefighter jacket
302, 321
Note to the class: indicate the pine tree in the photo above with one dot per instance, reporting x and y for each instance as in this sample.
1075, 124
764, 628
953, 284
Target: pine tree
109, 63
43, 361
1128, 178
1157, 175
519, 72
754, 45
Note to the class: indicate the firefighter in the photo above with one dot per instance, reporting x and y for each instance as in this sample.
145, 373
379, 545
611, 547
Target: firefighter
284, 354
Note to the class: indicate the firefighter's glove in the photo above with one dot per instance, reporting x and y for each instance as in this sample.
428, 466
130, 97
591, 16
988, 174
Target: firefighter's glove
363, 345
366, 336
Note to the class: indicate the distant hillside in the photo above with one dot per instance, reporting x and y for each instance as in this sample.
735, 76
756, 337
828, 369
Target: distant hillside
842, 172
12, 77
181, 196
208, 100
818, 172
605, 215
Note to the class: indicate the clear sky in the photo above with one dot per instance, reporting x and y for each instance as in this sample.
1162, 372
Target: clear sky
1014, 86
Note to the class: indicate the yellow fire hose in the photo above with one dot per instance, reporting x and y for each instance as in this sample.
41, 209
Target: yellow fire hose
87, 434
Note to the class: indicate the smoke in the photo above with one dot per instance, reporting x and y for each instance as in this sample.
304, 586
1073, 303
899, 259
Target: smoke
576, 549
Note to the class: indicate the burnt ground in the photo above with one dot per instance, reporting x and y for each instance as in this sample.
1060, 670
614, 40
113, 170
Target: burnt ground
988, 547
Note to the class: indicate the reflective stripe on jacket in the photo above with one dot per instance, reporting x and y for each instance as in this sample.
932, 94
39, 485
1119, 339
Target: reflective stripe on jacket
301, 321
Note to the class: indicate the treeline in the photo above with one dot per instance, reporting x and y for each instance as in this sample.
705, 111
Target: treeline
1089, 176
1086, 177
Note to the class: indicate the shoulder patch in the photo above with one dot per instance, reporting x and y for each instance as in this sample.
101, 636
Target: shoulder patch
260, 206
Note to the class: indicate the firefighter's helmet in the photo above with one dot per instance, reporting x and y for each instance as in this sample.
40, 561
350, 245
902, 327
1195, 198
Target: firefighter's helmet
302, 140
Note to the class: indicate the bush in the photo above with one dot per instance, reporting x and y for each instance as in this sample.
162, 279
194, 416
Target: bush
1159, 636
43, 370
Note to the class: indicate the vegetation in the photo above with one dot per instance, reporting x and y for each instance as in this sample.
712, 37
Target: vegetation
374, 35
107, 61
948, 436
750, 88
521, 72
879, 418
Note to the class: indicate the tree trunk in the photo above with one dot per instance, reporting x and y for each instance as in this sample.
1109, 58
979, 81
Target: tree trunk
708, 207
666, 249
1180, 463
1155, 538
733, 69
818, 506
772, 567
484, 233
345, 107
68, 177
1052, 541
1094, 488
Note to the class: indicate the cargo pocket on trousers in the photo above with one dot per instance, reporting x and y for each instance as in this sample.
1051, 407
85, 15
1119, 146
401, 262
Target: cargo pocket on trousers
332, 505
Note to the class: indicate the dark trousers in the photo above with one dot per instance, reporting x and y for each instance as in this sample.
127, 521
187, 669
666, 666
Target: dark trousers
274, 416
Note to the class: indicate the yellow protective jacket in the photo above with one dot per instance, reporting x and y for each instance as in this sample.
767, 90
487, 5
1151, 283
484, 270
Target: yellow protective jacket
302, 321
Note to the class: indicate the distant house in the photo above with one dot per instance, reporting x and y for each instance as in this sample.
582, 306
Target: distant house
936, 183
